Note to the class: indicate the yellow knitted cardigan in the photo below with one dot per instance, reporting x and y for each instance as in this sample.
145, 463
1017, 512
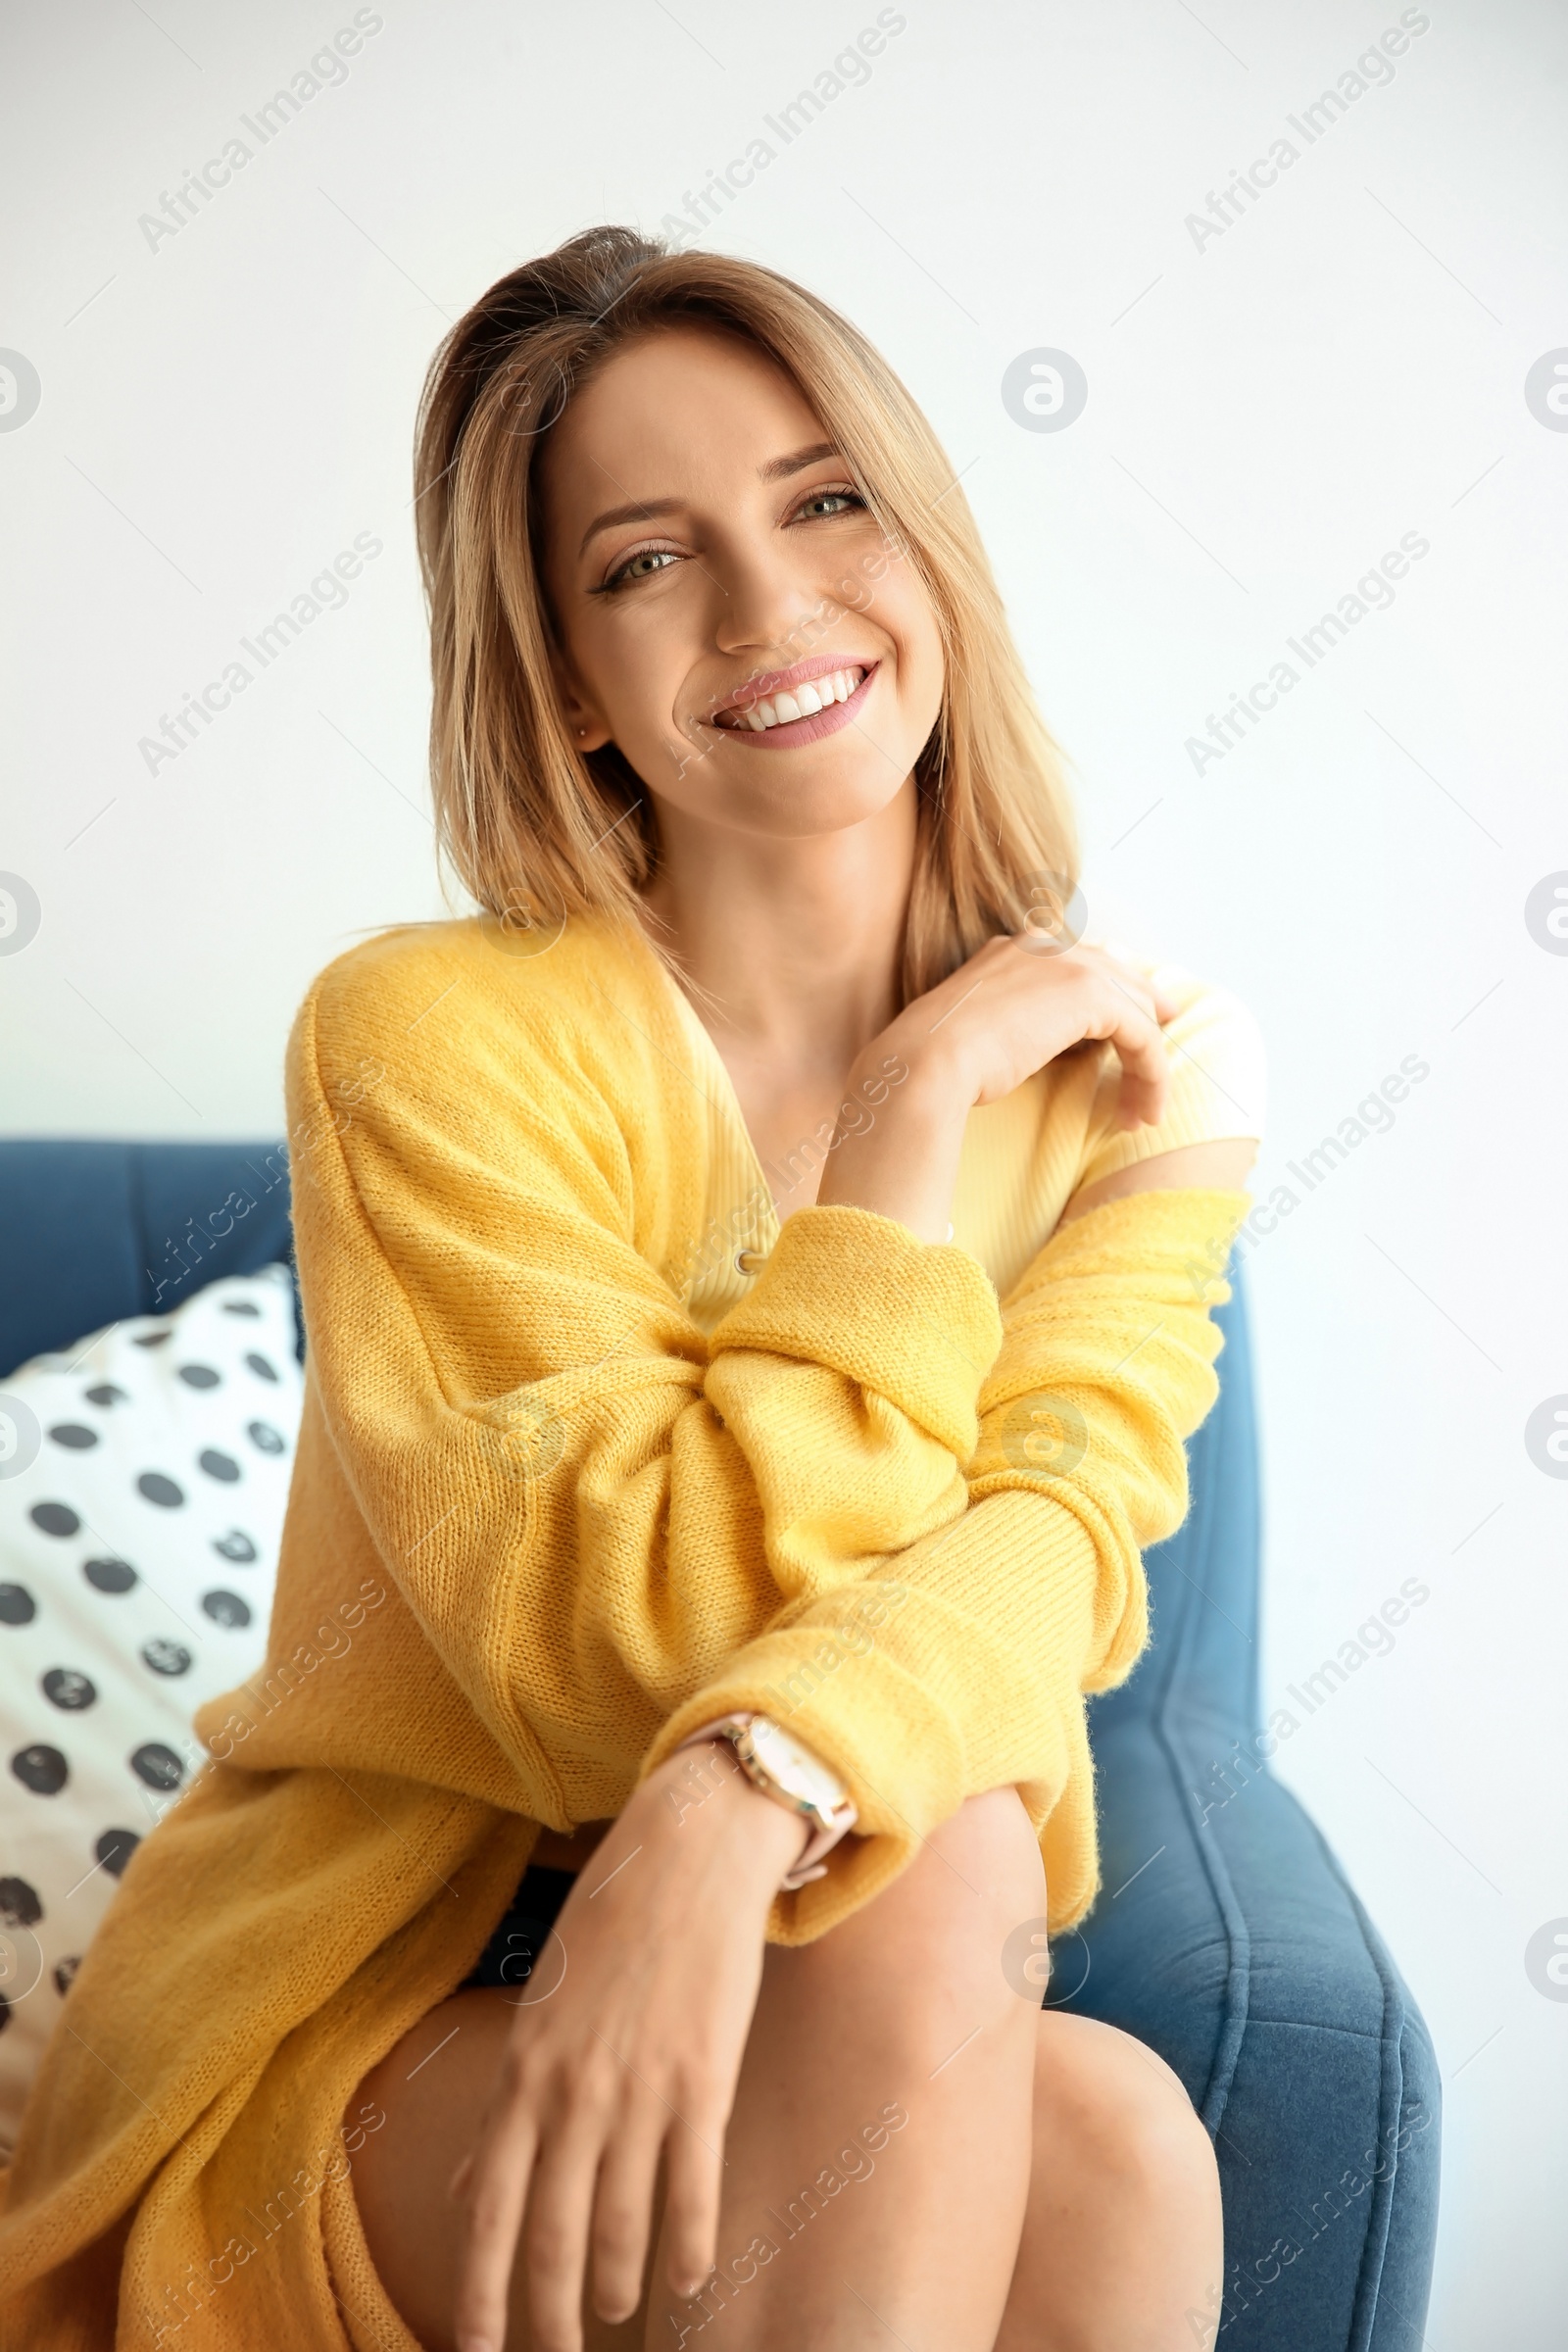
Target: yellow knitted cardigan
561, 1525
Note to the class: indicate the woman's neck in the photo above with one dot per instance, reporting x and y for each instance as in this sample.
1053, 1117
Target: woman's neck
793, 944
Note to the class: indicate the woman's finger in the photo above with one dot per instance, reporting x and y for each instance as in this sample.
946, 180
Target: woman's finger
693, 2158
494, 2195
623, 2213
555, 2238
1144, 1073
1130, 1016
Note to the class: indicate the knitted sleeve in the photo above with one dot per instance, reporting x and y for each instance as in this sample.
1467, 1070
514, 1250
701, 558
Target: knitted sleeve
961, 1665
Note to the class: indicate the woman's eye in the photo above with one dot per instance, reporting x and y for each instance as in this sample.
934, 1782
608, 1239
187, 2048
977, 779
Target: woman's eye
641, 567
829, 502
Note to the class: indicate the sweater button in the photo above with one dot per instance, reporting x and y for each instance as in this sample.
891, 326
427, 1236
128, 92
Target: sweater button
750, 1262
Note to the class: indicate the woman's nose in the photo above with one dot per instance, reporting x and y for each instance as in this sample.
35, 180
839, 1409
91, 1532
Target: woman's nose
764, 607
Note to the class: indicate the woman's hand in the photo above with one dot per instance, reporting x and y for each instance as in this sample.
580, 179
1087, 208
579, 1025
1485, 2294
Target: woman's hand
1012, 1007
972, 1039
628, 2041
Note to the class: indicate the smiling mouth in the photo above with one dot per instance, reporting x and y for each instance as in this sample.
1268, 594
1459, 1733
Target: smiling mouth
792, 707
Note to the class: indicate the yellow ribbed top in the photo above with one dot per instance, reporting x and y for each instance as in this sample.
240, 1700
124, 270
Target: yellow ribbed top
575, 1486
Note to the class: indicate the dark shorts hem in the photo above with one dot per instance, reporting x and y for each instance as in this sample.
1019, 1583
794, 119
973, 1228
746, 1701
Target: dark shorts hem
522, 1931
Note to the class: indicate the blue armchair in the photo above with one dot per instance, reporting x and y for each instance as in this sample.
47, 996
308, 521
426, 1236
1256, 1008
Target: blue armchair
1226, 1937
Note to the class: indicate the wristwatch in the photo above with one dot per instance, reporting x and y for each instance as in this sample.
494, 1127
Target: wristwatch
777, 1764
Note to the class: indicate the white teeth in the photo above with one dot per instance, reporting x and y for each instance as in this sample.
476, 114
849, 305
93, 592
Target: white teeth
803, 703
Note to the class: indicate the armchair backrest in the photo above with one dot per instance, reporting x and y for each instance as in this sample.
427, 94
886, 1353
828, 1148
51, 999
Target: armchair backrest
93, 1233
1204, 1582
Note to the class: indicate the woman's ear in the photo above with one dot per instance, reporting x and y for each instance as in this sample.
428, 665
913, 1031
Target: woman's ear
588, 730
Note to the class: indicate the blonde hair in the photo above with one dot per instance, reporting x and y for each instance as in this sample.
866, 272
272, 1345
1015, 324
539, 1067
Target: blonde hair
523, 817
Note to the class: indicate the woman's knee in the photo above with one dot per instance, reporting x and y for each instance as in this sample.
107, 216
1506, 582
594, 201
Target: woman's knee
977, 1881
933, 1941
988, 1850
1109, 2107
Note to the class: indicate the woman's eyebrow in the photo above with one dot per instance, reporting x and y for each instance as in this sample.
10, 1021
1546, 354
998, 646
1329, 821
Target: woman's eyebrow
639, 511
778, 469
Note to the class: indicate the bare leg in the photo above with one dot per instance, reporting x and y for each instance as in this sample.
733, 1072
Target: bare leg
879, 2146
1122, 2248
877, 2158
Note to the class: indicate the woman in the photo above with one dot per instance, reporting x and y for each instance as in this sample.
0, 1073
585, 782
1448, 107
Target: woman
758, 1269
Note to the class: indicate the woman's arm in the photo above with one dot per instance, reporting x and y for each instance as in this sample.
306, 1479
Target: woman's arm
1221, 1166
960, 1664
637, 2051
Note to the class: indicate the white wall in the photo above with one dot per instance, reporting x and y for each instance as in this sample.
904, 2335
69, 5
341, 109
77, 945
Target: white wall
1269, 410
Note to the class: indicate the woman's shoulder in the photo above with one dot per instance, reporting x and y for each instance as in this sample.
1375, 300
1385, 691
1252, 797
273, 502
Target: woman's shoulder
414, 989
1213, 1024
438, 1041
1219, 1070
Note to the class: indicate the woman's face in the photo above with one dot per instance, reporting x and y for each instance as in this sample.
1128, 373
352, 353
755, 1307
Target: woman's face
717, 578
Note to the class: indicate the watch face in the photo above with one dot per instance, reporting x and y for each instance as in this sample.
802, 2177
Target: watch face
794, 1767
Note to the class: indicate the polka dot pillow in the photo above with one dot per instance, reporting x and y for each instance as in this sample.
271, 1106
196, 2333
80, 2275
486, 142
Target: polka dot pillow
143, 1476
